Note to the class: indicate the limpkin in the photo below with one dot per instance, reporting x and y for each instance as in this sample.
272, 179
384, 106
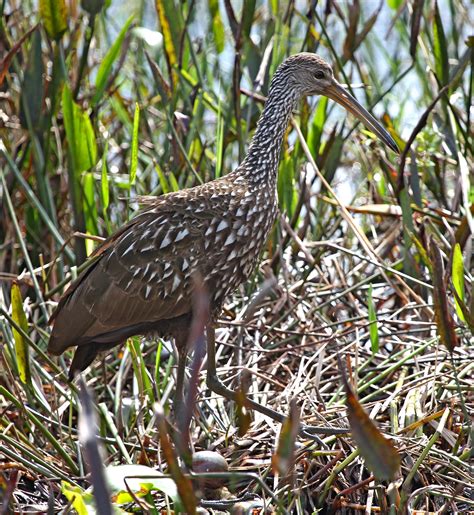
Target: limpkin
140, 280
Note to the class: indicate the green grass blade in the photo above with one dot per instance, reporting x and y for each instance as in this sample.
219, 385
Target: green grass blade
104, 181
440, 48
373, 327
134, 156
217, 25
90, 209
105, 67
457, 271
219, 142
21, 346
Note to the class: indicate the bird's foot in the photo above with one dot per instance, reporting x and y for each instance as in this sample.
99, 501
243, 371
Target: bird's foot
305, 431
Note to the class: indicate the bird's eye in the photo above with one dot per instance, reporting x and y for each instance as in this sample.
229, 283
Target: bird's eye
319, 75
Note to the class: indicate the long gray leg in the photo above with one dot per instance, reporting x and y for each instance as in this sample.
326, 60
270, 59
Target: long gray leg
214, 384
180, 376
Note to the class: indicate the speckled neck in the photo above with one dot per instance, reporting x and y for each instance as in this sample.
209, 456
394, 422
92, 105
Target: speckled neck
261, 163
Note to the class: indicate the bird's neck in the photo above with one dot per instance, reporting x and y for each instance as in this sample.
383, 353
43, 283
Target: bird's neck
261, 163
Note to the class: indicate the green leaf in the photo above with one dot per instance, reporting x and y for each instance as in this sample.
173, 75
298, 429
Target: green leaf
105, 67
134, 157
248, 11
373, 328
440, 49
80, 134
334, 158
82, 501
219, 142
105, 180
162, 178
217, 25
90, 209
31, 98
394, 4
21, 346
316, 129
54, 17
68, 112
87, 145
423, 254
139, 368
173, 182
457, 271
286, 184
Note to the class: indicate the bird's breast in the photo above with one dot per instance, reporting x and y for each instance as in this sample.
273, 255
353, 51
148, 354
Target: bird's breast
236, 241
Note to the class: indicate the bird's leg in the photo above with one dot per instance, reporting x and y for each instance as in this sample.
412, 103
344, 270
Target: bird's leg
214, 384
180, 376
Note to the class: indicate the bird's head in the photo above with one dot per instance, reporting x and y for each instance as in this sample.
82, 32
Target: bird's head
309, 74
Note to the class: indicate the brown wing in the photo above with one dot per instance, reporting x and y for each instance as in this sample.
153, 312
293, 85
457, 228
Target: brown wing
143, 273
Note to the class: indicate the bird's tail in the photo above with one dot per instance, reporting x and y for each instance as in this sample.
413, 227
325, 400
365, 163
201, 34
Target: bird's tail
85, 355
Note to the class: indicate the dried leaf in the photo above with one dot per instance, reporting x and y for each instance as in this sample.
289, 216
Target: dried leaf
443, 317
162, 86
284, 458
5, 64
380, 455
368, 25
349, 42
162, 9
242, 406
415, 25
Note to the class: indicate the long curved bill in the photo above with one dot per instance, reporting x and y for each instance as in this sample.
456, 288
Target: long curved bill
337, 93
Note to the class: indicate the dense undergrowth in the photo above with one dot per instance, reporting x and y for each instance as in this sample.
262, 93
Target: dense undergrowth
370, 260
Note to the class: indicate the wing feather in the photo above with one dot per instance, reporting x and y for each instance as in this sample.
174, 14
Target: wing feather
143, 273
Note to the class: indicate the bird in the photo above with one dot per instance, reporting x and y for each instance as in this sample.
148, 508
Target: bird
141, 279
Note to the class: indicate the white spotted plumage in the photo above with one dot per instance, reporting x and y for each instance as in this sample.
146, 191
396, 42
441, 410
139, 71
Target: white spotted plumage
142, 277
